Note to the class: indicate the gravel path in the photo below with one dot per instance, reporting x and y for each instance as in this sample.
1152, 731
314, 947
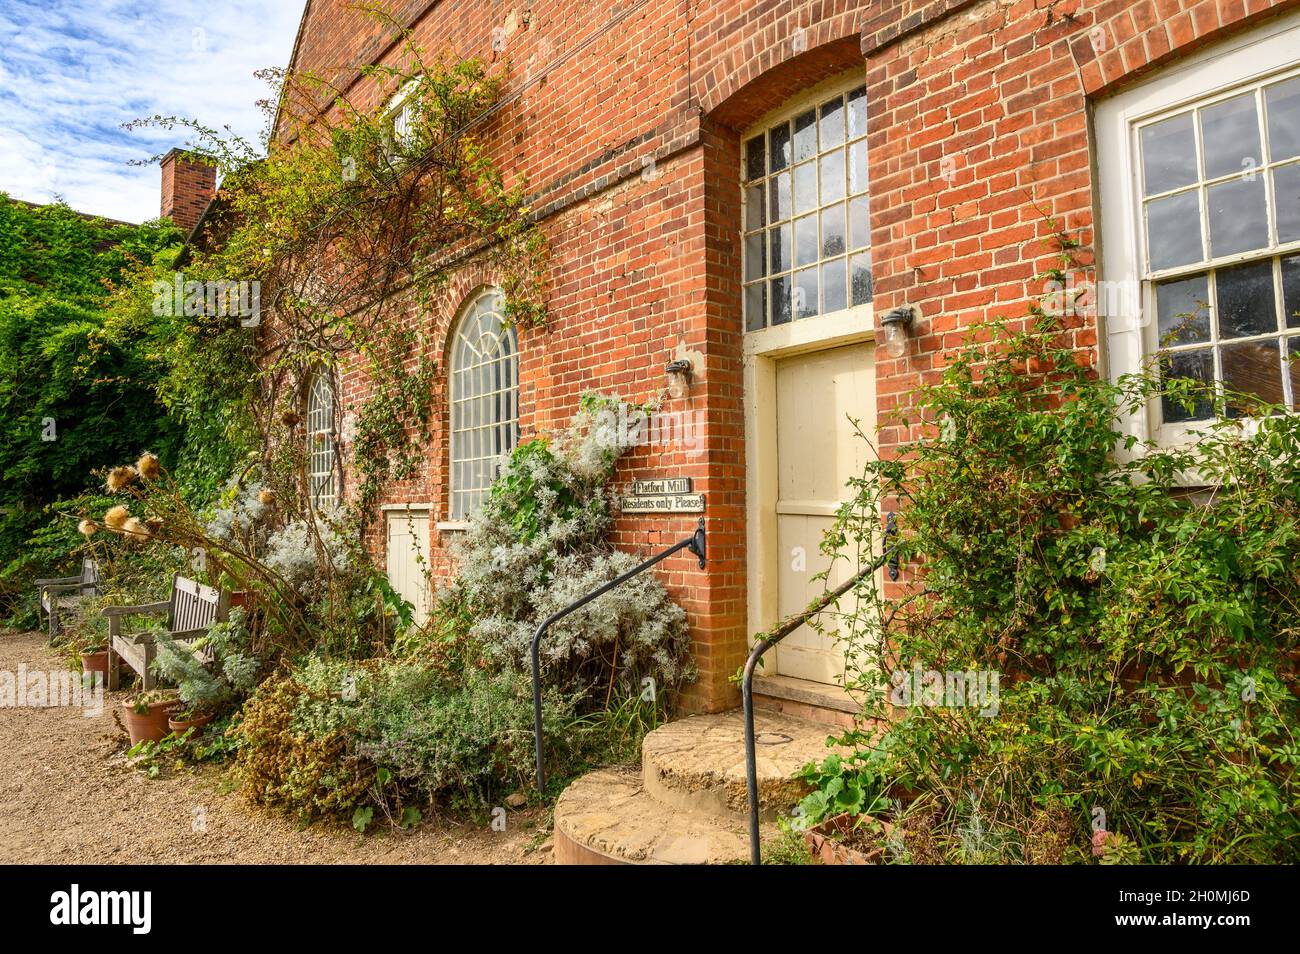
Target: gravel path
67, 796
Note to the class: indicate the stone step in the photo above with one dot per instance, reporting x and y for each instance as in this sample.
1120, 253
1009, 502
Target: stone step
608, 818
698, 763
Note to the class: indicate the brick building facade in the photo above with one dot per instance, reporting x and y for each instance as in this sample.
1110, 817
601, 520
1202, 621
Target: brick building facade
674, 234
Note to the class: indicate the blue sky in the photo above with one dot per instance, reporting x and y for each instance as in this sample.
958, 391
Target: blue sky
72, 71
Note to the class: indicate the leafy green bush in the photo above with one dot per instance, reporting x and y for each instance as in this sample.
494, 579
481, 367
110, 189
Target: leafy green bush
1144, 633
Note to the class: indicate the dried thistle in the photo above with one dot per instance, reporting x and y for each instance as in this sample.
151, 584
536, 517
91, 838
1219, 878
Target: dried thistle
154, 524
116, 517
135, 528
149, 467
87, 528
119, 478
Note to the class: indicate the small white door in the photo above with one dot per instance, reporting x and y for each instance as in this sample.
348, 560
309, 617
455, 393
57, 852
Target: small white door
817, 450
407, 557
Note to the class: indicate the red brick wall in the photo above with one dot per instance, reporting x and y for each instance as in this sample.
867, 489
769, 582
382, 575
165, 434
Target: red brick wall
993, 93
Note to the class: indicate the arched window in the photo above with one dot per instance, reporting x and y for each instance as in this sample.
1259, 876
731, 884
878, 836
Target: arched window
484, 400
807, 234
322, 484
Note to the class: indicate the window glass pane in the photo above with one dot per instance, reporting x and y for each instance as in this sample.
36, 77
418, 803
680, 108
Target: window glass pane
832, 165
755, 208
1168, 154
779, 156
805, 188
754, 159
485, 405
754, 256
1183, 309
858, 167
860, 278
1230, 136
1291, 290
832, 124
755, 306
833, 231
859, 223
805, 240
1196, 367
1282, 101
1252, 368
1286, 193
778, 195
1238, 219
858, 112
780, 248
805, 293
779, 292
835, 293
1174, 230
1245, 300
805, 135
1292, 346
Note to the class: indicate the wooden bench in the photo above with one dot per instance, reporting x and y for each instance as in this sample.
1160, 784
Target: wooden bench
61, 594
189, 611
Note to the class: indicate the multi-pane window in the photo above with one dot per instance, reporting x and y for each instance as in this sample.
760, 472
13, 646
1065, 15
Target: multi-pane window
807, 236
321, 481
1219, 189
484, 400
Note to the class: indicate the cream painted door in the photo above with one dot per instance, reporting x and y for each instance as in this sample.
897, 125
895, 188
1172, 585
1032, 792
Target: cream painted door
817, 451
407, 555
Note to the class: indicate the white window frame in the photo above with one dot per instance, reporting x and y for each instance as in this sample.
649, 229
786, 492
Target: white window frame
484, 393
322, 470
1266, 54
397, 121
861, 313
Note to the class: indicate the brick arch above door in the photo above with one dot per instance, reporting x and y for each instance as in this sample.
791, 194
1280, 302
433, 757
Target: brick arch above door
779, 60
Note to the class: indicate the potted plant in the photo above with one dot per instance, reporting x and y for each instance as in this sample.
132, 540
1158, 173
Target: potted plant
95, 659
146, 714
839, 815
182, 719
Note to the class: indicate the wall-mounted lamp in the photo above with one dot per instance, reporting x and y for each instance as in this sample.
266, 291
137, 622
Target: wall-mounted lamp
894, 326
679, 378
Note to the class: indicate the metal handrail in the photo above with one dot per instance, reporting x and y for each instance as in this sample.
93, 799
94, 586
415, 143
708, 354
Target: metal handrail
747, 686
694, 543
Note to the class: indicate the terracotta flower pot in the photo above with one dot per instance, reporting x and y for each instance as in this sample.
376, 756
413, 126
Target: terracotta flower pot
181, 726
151, 726
826, 842
95, 660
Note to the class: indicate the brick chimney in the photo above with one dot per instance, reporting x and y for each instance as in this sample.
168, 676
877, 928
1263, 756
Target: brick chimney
187, 188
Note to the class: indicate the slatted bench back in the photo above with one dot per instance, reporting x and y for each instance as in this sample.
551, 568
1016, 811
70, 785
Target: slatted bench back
89, 576
195, 607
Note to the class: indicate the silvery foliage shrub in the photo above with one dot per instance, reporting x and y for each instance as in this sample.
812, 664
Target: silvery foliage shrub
474, 739
539, 542
239, 517
233, 670
292, 552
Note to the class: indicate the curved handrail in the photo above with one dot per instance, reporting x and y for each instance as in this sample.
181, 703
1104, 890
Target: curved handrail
747, 686
696, 543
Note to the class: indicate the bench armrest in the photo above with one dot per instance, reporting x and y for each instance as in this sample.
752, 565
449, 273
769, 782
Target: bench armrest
56, 581
62, 587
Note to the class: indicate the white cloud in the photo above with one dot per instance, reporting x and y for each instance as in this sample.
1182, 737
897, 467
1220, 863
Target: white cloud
73, 71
